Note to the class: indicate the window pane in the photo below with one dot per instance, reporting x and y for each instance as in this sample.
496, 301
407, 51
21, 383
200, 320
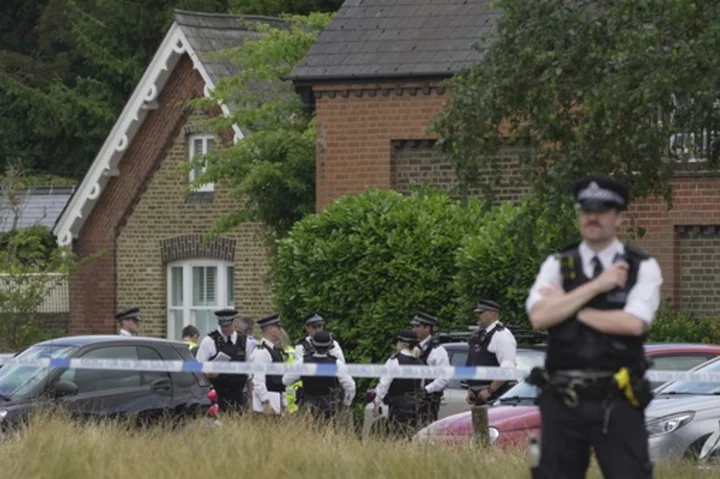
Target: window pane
99, 379
231, 286
177, 323
198, 280
147, 377
205, 320
211, 273
210, 143
176, 286
678, 362
197, 148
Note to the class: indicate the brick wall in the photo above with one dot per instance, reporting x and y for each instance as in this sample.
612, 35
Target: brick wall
421, 162
164, 227
99, 288
699, 269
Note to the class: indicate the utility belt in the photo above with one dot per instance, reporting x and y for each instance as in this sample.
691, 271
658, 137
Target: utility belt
574, 386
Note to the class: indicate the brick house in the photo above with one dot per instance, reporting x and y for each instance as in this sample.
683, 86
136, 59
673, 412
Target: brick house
374, 79
136, 208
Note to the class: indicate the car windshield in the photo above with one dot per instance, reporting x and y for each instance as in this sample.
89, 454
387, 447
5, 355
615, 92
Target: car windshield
695, 387
19, 380
522, 390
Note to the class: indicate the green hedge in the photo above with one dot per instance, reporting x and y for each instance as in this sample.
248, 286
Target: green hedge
501, 261
680, 327
366, 262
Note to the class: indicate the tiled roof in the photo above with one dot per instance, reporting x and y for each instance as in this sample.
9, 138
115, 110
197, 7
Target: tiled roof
370, 39
41, 205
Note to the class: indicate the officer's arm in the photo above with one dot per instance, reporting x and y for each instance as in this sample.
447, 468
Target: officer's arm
291, 378
382, 388
348, 386
642, 302
258, 380
338, 352
547, 304
439, 357
506, 354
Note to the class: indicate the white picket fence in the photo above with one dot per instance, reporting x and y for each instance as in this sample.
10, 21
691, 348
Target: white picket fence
58, 298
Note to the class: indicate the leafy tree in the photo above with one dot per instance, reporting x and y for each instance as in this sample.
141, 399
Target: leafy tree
271, 170
628, 88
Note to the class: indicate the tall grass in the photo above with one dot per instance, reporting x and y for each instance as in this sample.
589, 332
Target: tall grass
52, 447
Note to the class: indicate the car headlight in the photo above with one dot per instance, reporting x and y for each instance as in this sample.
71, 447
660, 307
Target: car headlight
3, 413
668, 424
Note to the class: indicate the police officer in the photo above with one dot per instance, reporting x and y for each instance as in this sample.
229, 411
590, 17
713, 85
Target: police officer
314, 323
404, 397
597, 300
492, 345
190, 336
268, 390
129, 319
226, 340
323, 396
432, 354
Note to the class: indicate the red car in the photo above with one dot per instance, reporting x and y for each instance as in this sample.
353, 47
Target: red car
514, 417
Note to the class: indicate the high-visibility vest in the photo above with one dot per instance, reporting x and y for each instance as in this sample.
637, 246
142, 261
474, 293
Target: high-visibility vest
290, 390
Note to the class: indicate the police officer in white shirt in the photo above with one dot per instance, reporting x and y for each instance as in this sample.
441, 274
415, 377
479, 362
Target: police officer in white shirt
234, 346
432, 354
268, 396
597, 300
314, 323
492, 346
129, 319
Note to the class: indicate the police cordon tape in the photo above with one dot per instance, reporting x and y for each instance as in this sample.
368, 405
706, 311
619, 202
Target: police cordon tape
353, 370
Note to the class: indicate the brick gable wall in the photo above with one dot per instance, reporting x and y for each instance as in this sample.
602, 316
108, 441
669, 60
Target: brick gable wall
124, 219
363, 141
165, 226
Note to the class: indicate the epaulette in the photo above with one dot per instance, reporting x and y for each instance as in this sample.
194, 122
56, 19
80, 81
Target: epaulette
568, 249
636, 251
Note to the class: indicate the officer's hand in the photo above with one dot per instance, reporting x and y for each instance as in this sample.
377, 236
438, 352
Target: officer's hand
376, 410
268, 410
613, 277
484, 394
471, 397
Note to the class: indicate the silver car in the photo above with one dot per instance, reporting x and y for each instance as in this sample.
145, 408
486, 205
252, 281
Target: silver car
453, 400
683, 415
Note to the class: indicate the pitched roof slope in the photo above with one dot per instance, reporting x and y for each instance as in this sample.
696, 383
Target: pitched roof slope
39, 206
371, 39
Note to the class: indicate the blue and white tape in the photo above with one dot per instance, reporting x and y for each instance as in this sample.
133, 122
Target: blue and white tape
354, 370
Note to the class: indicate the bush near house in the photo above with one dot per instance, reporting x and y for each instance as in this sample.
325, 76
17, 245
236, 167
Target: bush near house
367, 262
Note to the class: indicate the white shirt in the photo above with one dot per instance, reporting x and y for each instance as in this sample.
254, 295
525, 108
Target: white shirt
643, 299
335, 351
345, 380
438, 357
278, 401
383, 386
503, 345
207, 349
124, 332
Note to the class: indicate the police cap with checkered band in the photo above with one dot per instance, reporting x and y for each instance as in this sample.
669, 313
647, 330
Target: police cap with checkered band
600, 193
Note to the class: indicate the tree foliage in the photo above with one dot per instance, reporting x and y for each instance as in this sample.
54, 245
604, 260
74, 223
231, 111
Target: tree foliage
628, 88
367, 262
272, 169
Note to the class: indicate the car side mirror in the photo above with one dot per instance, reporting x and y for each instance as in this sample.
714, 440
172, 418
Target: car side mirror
64, 388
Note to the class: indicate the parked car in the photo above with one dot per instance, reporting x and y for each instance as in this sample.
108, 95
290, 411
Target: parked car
453, 400
514, 417
6, 356
710, 453
683, 415
90, 393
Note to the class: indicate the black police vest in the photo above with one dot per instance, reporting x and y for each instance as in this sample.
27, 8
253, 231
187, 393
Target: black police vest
478, 354
573, 345
274, 383
320, 386
432, 344
236, 352
400, 387
307, 346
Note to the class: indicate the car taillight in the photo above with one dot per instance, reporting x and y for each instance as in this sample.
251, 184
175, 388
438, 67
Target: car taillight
213, 410
212, 395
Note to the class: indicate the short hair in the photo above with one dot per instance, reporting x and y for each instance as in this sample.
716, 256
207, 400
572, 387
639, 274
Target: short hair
190, 331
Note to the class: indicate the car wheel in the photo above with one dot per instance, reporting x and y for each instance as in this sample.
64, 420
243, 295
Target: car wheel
693, 452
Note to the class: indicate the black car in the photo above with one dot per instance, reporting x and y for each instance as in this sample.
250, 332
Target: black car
95, 393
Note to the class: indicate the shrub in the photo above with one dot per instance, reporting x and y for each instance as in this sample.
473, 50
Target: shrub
367, 262
677, 326
501, 261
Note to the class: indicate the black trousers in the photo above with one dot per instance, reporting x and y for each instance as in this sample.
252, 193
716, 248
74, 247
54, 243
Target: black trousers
568, 433
231, 400
429, 409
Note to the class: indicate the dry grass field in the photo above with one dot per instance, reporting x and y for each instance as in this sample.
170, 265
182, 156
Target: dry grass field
249, 447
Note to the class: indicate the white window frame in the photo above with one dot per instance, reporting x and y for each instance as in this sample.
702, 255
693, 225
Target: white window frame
225, 291
191, 156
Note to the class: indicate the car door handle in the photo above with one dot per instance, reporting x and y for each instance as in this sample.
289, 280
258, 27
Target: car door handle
161, 385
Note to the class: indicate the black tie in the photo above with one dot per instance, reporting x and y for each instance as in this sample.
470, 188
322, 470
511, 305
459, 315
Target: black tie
597, 265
